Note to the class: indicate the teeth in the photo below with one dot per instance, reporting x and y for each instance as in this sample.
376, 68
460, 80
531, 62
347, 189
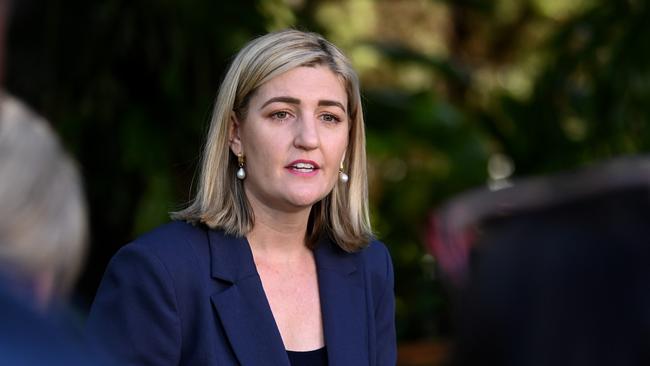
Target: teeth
303, 166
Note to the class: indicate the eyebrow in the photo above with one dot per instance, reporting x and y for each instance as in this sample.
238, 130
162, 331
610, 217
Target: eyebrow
331, 103
291, 100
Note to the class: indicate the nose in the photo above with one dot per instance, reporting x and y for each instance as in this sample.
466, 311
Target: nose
306, 136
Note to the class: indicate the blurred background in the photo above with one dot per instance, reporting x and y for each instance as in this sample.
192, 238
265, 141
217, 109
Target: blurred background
457, 94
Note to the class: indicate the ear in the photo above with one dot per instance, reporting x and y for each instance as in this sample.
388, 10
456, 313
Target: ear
234, 135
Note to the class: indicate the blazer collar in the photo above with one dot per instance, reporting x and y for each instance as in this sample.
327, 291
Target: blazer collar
246, 315
329, 256
343, 305
231, 258
241, 305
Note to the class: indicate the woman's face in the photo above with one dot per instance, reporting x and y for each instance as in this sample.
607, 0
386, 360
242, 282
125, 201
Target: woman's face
294, 138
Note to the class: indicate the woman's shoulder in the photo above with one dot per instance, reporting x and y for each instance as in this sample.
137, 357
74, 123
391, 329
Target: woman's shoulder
375, 252
378, 267
171, 232
375, 260
171, 241
177, 252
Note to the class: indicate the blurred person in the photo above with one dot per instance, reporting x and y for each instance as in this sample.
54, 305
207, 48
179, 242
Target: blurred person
43, 214
43, 233
42, 241
274, 262
553, 271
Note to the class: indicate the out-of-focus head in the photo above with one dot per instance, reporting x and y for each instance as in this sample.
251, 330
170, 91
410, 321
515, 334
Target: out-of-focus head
43, 213
221, 201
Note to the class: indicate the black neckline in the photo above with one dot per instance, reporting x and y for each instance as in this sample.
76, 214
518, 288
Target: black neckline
319, 350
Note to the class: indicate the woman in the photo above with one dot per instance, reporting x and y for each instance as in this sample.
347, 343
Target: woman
273, 263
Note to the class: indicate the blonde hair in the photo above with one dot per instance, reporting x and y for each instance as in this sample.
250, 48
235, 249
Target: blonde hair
220, 201
43, 223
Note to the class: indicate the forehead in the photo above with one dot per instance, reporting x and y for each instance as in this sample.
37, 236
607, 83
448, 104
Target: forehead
305, 83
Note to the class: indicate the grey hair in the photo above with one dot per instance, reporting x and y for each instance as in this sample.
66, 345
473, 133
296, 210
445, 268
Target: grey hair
43, 225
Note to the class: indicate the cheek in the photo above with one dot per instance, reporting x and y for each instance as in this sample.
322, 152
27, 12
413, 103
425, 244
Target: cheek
341, 147
263, 150
337, 151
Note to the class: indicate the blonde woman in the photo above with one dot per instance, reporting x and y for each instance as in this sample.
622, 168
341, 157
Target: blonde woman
274, 262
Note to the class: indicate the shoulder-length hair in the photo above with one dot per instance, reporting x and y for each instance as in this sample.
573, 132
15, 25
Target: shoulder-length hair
220, 200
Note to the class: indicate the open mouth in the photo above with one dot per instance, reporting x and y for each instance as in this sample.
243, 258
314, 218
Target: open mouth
302, 166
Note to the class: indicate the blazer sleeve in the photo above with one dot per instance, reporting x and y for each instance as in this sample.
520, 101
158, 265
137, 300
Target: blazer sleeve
134, 315
385, 315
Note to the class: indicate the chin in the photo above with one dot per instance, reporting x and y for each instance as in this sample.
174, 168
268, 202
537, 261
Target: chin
303, 202
306, 194
306, 199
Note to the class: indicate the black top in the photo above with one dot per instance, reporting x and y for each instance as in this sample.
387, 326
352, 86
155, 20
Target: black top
317, 357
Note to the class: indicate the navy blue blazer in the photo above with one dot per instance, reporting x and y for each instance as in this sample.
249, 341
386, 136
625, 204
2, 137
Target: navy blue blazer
187, 295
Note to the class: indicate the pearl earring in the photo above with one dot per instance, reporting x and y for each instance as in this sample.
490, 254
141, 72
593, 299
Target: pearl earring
344, 178
241, 173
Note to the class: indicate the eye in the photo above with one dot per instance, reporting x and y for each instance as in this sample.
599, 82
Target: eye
280, 115
328, 117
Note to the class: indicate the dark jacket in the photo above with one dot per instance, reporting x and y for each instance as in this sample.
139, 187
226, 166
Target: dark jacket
32, 337
187, 295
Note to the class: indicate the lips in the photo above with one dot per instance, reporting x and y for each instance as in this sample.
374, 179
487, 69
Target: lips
303, 166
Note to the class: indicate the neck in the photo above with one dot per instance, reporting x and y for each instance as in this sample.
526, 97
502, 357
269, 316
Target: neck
278, 234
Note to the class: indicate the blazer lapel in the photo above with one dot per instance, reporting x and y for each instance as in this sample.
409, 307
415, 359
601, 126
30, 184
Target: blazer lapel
241, 304
343, 304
